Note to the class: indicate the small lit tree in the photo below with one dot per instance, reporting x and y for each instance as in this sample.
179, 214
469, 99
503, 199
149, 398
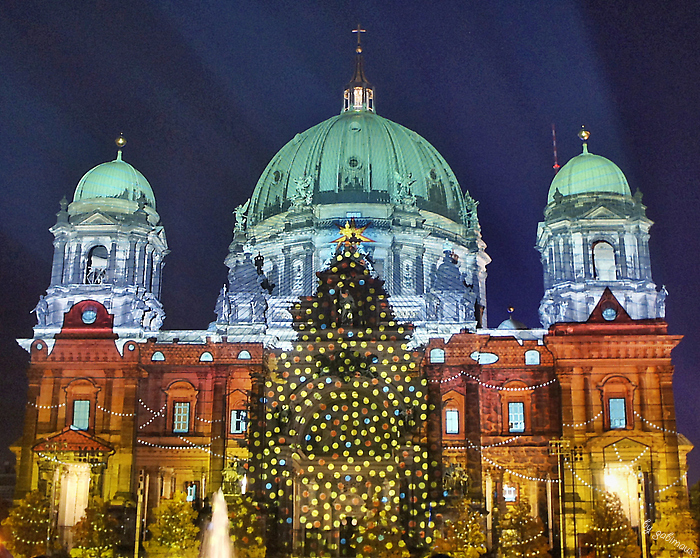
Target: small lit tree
379, 535
522, 535
612, 534
463, 535
246, 527
27, 527
173, 530
95, 535
675, 532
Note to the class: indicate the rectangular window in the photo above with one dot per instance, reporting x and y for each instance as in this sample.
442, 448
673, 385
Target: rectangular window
618, 414
510, 493
516, 416
81, 415
452, 421
239, 422
181, 417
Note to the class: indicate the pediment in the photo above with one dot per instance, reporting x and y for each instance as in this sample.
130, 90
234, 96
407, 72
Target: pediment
73, 440
608, 310
96, 218
602, 212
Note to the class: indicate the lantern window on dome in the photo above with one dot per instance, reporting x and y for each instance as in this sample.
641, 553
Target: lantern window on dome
604, 261
96, 268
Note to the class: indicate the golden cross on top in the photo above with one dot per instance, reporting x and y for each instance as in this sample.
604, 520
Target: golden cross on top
358, 31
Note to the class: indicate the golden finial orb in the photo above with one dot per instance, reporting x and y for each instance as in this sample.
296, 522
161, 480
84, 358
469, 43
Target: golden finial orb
120, 141
584, 134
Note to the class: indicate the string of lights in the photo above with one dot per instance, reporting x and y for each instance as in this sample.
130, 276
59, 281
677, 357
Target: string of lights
667, 430
515, 473
189, 447
480, 448
46, 406
202, 446
526, 541
101, 408
56, 460
584, 423
493, 386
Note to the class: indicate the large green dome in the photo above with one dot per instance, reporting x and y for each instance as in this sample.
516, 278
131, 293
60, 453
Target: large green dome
358, 157
588, 173
114, 179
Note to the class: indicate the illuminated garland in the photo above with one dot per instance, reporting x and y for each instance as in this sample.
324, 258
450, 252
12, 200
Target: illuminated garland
480, 448
55, 460
606, 529
45, 406
155, 414
526, 541
667, 430
526, 477
491, 386
189, 447
101, 408
674, 483
584, 423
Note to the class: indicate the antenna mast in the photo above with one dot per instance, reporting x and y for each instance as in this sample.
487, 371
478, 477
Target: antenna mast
556, 166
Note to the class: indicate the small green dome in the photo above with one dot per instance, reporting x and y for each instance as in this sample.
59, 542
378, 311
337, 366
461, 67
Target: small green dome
358, 157
115, 179
587, 174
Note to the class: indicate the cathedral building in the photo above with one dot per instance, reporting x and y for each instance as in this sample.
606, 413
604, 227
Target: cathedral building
351, 370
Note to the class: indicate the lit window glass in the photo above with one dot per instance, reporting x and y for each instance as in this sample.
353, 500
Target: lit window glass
516, 416
81, 415
239, 421
181, 417
452, 421
532, 357
437, 356
191, 492
510, 493
618, 416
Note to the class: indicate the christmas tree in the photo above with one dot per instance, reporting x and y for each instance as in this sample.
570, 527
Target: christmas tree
675, 531
379, 535
522, 535
612, 534
95, 535
27, 528
173, 529
246, 527
463, 535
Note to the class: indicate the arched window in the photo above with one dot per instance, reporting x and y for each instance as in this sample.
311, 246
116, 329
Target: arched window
244, 355
516, 402
604, 261
437, 356
157, 357
618, 398
532, 357
81, 398
206, 357
298, 277
452, 414
96, 269
182, 402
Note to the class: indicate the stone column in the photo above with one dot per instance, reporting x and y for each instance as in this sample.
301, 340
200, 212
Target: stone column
59, 247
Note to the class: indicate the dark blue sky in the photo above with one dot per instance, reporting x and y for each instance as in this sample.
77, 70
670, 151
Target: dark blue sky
207, 92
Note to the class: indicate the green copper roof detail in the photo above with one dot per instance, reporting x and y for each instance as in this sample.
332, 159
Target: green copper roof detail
114, 179
357, 157
589, 174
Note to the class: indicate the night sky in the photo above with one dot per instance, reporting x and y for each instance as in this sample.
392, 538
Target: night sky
207, 92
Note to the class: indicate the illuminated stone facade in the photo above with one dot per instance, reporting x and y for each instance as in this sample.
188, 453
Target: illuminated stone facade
350, 371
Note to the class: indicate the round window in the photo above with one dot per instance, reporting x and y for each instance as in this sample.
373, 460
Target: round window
609, 313
131, 347
89, 316
353, 162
